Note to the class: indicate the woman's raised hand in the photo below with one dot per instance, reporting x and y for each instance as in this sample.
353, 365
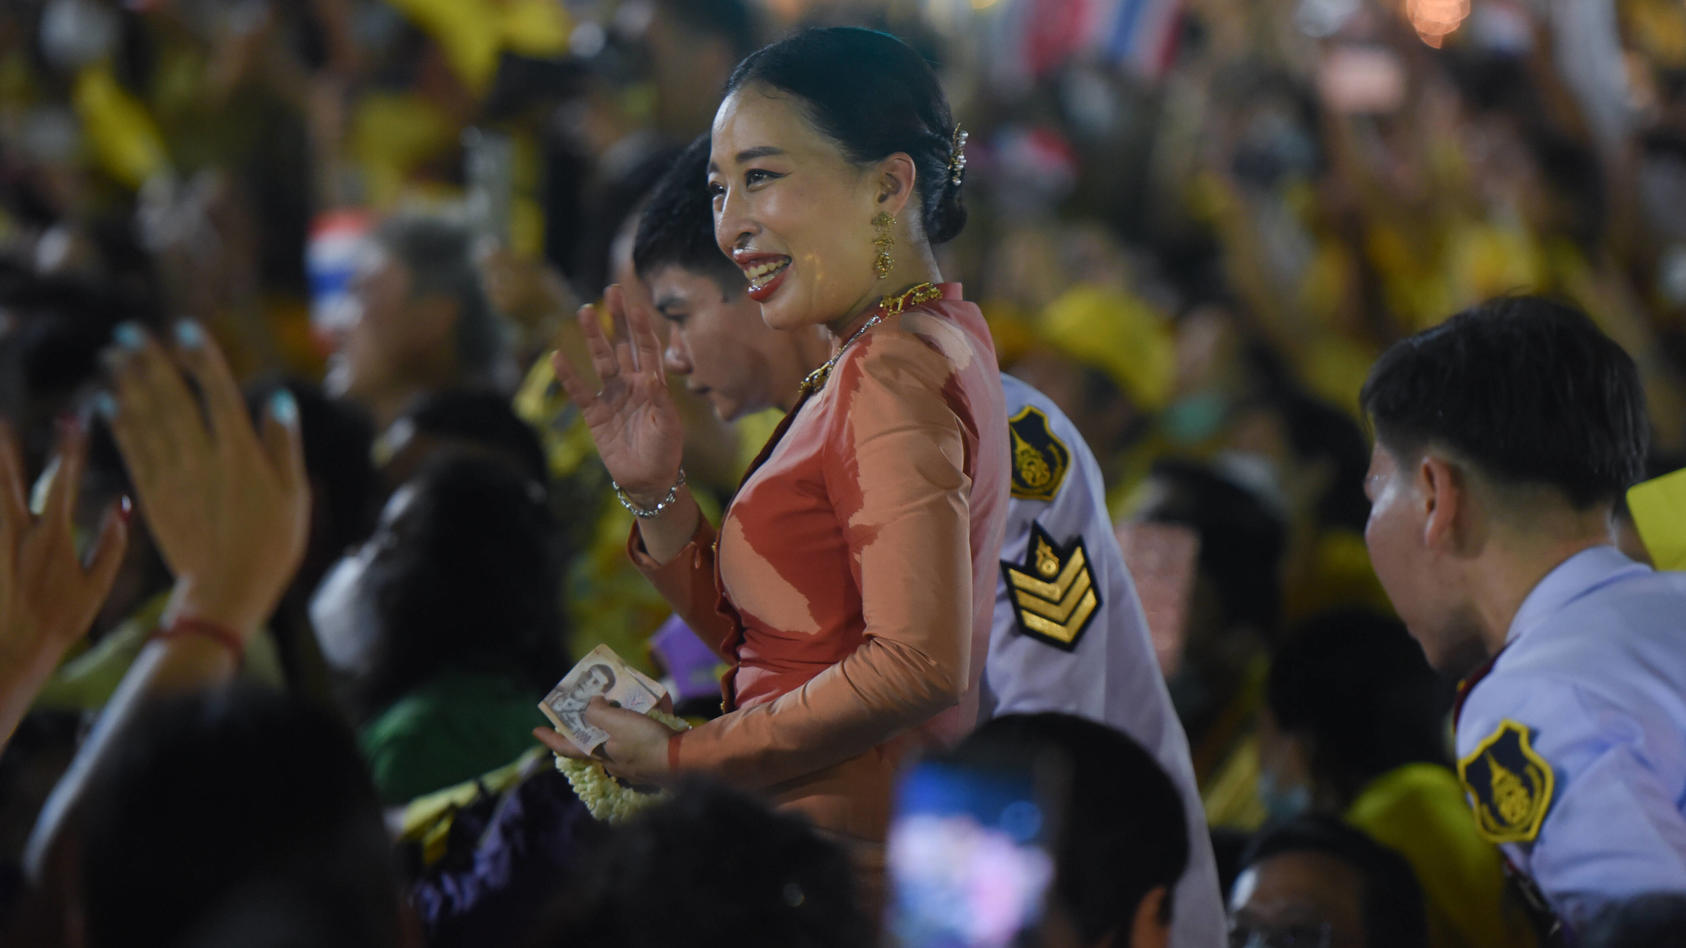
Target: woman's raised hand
49, 593
632, 417
228, 507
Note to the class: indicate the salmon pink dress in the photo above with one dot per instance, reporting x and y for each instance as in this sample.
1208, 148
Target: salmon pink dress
852, 581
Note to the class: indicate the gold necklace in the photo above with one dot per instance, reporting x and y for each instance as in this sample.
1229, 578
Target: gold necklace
892, 305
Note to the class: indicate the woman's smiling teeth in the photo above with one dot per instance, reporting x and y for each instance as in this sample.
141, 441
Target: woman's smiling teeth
760, 273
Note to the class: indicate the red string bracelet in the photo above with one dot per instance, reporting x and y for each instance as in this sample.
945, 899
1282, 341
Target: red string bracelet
222, 635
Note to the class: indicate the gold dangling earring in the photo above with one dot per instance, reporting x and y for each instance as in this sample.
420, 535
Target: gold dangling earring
883, 263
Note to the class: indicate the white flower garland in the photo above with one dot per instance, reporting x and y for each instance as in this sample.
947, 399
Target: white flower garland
606, 798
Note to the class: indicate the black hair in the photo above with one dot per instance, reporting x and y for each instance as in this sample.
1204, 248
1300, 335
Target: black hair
787, 885
50, 355
1242, 540
1318, 431
337, 436
731, 20
484, 419
1357, 685
344, 490
610, 207
466, 579
1124, 832
1394, 916
874, 96
1641, 921
232, 802
1526, 389
677, 226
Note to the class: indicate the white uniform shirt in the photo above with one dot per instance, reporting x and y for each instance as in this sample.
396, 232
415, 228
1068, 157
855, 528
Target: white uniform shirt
1572, 747
1069, 634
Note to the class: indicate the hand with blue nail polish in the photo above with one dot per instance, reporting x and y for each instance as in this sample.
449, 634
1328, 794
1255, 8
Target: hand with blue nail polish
189, 334
227, 503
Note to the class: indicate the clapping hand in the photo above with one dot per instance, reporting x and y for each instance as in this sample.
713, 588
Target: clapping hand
228, 506
49, 593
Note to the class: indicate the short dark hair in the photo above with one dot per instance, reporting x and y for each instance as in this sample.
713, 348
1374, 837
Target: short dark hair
1357, 684
1641, 921
1526, 389
1242, 539
472, 582
677, 226
731, 20
787, 885
484, 419
1125, 832
874, 96
186, 825
1394, 916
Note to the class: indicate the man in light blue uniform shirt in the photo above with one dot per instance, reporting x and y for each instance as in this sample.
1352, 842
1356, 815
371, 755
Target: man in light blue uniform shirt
1503, 439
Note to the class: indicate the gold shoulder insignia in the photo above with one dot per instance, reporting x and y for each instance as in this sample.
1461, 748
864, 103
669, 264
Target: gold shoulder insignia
1053, 591
1040, 460
1509, 785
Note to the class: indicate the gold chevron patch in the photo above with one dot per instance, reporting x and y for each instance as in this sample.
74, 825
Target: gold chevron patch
1053, 591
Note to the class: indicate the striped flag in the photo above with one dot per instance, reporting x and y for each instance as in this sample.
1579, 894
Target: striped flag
1036, 37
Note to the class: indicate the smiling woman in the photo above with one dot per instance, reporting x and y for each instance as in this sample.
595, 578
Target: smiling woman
851, 584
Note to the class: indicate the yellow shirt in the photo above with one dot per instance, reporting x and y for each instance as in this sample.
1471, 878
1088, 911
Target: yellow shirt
1419, 810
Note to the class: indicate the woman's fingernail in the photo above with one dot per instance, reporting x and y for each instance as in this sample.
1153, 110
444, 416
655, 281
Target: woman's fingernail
125, 508
105, 405
43, 484
189, 334
284, 407
129, 336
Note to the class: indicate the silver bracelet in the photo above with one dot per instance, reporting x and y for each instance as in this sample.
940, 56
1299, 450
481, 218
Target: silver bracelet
645, 513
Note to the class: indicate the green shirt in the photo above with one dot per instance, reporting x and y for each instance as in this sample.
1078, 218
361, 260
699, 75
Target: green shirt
452, 728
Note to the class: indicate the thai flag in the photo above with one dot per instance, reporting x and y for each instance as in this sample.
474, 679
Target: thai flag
1040, 36
1140, 35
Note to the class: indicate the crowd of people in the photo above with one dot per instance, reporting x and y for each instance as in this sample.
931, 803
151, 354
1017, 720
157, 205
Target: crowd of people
1205, 426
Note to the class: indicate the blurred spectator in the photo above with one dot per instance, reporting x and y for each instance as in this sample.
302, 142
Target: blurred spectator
1354, 726
470, 421
1646, 920
789, 885
423, 323
337, 438
1122, 846
444, 625
1317, 880
1232, 620
186, 836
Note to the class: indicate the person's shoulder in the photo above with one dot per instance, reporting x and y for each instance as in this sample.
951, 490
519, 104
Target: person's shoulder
1625, 631
1048, 454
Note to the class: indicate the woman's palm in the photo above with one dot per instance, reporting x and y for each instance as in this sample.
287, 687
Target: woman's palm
632, 418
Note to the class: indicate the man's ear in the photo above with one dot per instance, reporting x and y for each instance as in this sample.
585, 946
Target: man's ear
1151, 928
895, 182
1443, 490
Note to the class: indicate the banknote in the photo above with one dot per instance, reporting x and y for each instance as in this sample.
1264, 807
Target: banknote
600, 672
